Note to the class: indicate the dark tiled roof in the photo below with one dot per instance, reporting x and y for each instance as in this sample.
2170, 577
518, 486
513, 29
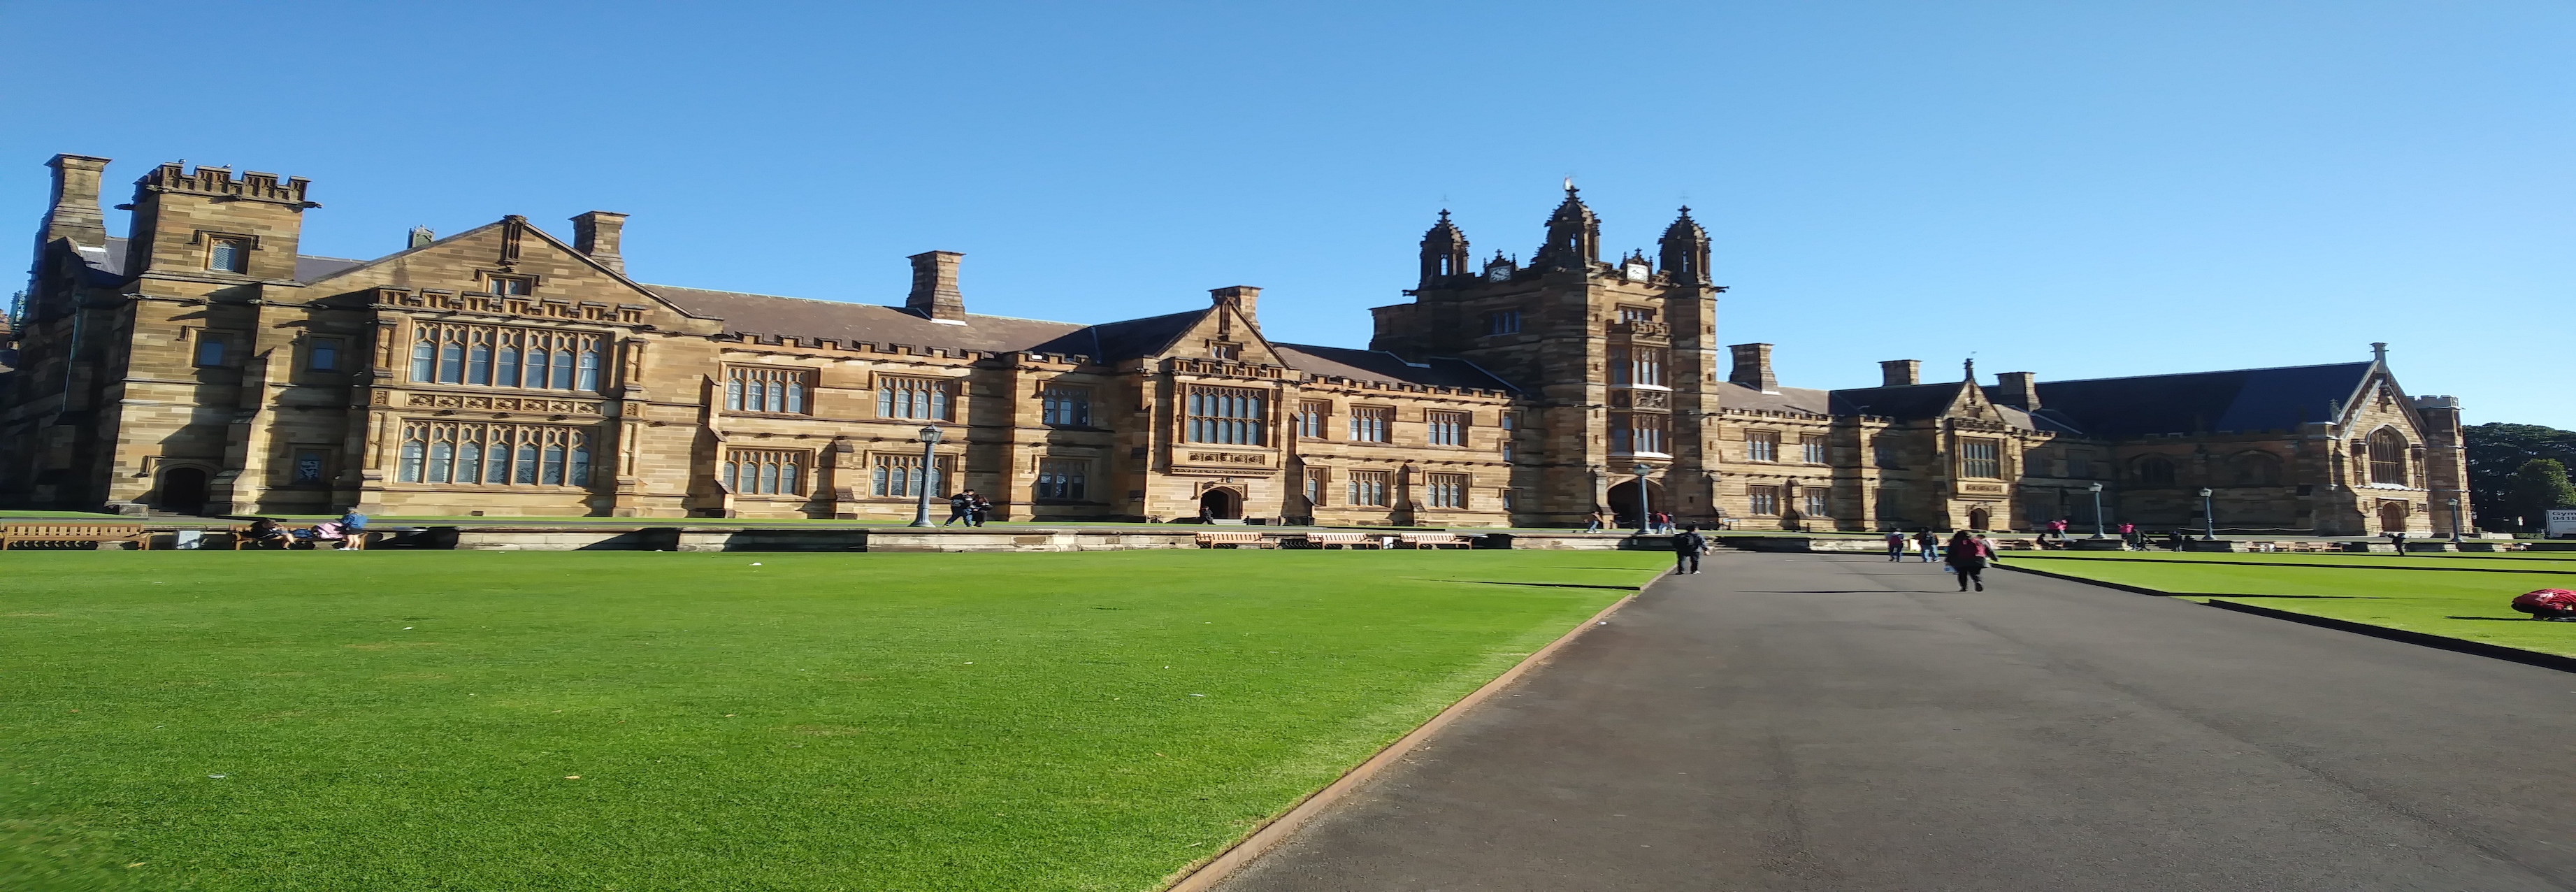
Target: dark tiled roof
1125, 339
2240, 400
307, 267
804, 318
1907, 402
1731, 395
1371, 365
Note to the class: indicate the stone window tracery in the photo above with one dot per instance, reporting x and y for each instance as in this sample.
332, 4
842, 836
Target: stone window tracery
903, 476
1446, 428
1232, 416
503, 356
1981, 458
765, 472
1373, 424
475, 453
1368, 488
767, 389
924, 399
2388, 457
1065, 405
1445, 490
1063, 478
1311, 416
1762, 501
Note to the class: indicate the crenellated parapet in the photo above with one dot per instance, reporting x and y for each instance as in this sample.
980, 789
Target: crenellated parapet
219, 182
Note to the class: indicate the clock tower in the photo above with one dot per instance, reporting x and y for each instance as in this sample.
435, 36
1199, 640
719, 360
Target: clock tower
1615, 362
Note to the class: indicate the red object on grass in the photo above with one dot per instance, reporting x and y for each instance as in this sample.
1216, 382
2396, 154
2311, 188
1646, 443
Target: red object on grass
2547, 602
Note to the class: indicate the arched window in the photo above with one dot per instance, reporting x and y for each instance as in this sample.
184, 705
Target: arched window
478, 365
2155, 470
2257, 469
589, 371
424, 357
2387, 457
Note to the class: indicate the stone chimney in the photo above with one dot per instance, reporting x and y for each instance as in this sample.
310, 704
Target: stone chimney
595, 233
75, 214
1900, 372
420, 237
1242, 298
934, 287
2019, 389
1753, 367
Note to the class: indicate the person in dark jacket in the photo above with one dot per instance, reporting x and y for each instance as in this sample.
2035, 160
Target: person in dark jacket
1687, 546
1968, 558
961, 507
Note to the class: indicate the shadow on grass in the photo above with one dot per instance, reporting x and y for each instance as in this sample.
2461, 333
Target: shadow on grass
2501, 619
1615, 588
2299, 597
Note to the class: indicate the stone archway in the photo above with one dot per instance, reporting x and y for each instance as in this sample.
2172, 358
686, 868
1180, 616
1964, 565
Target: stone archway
2392, 517
1623, 502
183, 491
1220, 503
1979, 518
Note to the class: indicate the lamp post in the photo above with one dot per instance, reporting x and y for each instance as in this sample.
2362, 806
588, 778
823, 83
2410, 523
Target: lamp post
1643, 505
2455, 521
929, 472
2208, 515
2098, 528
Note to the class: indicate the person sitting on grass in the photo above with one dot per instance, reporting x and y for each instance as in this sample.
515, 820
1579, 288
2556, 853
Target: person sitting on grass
265, 533
2553, 604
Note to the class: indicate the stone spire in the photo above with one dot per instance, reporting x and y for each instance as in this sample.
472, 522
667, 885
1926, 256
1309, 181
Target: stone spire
1685, 254
1573, 236
1444, 252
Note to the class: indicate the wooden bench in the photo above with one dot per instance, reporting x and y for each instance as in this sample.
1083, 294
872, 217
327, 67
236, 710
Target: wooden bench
1436, 540
1245, 539
2017, 545
99, 533
1341, 540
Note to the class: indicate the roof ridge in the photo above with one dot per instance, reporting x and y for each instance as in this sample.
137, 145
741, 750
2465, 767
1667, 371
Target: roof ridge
2274, 368
845, 303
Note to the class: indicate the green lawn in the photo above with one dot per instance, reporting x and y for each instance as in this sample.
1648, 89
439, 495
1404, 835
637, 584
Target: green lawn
2474, 606
677, 721
2537, 562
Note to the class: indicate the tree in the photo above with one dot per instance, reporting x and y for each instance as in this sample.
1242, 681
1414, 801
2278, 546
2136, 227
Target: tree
2496, 452
2540, 485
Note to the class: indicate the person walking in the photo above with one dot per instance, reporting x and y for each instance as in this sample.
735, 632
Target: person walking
1595, 525
1967, 558
961, 507
1896, 545
982, 509
1928, 544
1688, 544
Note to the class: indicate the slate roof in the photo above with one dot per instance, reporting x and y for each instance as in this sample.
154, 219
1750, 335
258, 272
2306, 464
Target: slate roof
308, 267
1807, 400
1127, 338
2198, 402
806, 318
1907, 402
1372, 365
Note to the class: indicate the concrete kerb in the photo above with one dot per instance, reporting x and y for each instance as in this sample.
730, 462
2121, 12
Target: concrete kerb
2421, 639
1206, 874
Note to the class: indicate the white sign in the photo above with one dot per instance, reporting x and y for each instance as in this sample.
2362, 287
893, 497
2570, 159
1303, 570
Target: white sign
2562, 522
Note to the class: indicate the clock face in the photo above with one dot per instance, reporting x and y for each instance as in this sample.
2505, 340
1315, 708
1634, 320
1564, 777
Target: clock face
1636, 272
1498, 272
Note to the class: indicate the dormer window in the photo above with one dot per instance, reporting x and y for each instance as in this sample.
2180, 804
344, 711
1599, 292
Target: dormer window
1636, 314
1226, 351
508, 285
227, 255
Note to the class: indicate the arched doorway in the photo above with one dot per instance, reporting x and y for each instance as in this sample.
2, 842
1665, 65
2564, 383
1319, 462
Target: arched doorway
1978, 518
2392, 517
1221, 504
1623, 502
183, 490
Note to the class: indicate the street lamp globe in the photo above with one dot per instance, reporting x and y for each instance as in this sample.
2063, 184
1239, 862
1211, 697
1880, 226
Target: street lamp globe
922, 481
930, 434
2098, 525
1643, 469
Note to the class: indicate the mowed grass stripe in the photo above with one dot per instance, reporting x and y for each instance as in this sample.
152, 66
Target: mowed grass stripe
2471, 606
870, 721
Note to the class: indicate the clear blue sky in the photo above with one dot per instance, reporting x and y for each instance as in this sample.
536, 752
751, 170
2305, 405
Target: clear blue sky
2075, 189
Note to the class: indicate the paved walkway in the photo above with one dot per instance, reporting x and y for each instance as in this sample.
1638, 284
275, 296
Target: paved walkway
1815, 722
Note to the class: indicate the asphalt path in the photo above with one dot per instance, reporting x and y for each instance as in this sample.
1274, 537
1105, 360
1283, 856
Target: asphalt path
1821, 722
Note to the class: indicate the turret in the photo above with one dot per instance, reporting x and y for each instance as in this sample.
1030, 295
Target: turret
1573, 237
1444, 252
1685, 251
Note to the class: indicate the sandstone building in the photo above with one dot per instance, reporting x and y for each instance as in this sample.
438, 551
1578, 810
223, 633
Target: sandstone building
202, 364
